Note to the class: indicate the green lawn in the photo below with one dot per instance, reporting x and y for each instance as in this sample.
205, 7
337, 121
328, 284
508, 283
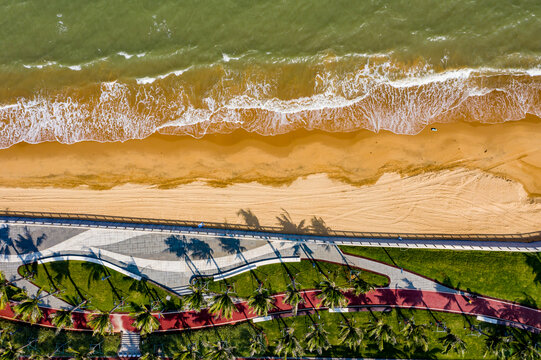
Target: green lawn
48, 341
275, 277
506, 275
80, 279
239, 335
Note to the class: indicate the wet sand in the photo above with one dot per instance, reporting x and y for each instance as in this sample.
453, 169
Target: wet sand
463, 177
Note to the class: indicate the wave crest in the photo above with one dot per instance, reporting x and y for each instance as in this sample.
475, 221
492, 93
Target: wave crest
338, 95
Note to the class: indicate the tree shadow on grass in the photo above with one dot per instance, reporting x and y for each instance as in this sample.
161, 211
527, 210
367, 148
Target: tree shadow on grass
528, 300
98, 272
533, 260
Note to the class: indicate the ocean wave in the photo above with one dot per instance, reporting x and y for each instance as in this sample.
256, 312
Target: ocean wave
150, 79
336, 95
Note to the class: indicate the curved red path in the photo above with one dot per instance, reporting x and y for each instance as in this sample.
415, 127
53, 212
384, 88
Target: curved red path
404, 298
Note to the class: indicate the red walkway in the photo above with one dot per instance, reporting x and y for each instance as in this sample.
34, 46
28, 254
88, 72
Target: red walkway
417, 299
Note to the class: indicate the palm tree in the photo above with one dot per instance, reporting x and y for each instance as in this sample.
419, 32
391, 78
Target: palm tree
331, 296
196, 300
293, 297
526, 348
62, 319
187, 352
317, 339
350, 334
28, 309
221, 351
144, 321
451, 342
4, 288
8, 351
258, 345
288, 344
415, 336
359, 284
261, 301
101, 323
83, 354
498, 345
222, 304
39, 355
382, 333
151, 356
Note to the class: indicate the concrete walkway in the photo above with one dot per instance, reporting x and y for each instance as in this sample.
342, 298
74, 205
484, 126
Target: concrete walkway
487, 242
172, 259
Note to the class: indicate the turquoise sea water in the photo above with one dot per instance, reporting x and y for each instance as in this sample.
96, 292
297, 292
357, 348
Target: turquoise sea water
114, 70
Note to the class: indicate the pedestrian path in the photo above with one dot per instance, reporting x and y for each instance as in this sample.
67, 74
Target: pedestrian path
398, 278
207, 255
129, 345
517, 315
498, 242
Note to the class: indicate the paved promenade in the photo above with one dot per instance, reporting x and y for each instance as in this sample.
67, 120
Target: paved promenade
172, 257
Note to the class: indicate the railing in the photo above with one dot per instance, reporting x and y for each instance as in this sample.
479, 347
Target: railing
521, 237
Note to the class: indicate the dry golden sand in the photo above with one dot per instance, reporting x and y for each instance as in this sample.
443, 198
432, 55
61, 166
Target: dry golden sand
462, 178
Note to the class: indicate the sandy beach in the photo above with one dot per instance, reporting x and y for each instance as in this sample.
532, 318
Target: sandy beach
464, 177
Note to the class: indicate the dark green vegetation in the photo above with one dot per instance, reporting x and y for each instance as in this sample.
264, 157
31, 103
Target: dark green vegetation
44, 341
506, 275
104, 288
238, 336
276, 277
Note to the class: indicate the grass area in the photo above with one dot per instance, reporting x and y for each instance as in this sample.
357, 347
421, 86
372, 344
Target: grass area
102, 286
506, 275
48, 341
276, 278
239, 335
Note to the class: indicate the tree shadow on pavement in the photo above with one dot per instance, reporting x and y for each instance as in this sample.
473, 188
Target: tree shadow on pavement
27, 244
233, 246
180, 247
24, 244
201, 250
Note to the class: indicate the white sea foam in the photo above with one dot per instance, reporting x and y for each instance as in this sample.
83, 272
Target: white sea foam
150, 80
125, 54
39, 66
227, 58
129, 56
377, 96
437, 38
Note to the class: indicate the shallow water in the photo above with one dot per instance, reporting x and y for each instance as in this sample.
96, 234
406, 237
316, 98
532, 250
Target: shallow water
77, 70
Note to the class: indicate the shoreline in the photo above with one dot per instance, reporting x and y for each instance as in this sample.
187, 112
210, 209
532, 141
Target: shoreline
356, 158
462, 178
